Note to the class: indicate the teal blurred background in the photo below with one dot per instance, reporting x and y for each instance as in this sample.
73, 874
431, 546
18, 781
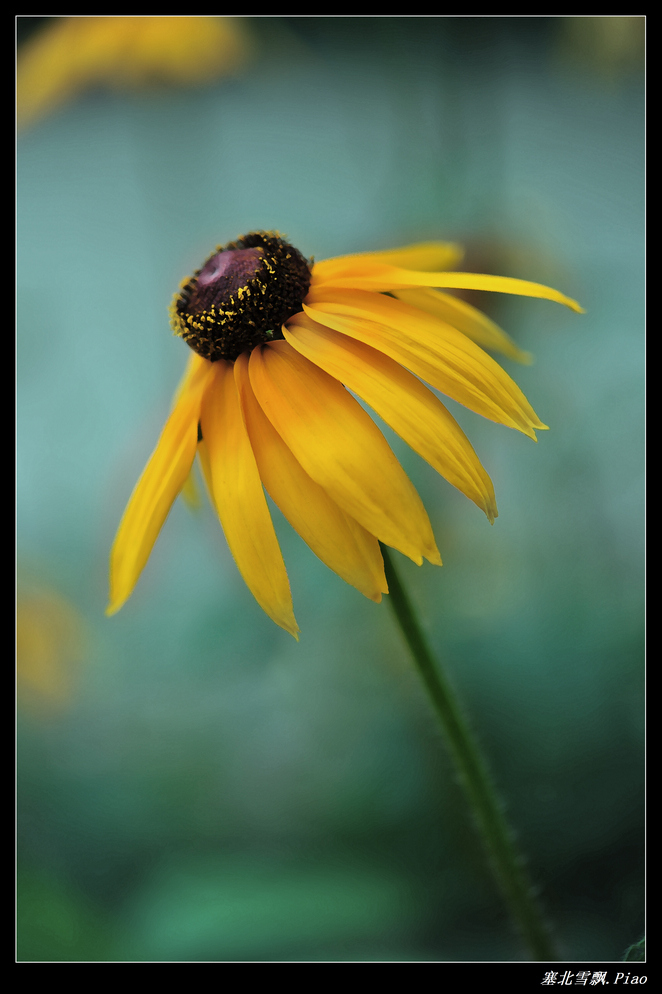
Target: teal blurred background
193, 783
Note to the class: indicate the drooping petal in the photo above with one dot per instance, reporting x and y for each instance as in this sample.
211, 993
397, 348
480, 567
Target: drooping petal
156, 490
402, 401
336, 538
466, 319
430, 348
341, 448
190, 491
194, 366
379, 277
430, 256
237, 493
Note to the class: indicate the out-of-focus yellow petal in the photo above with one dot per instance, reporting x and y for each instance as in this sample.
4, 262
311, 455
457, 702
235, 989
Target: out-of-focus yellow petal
466, 319
64, 57
378, 277
402, 401
433, 350
182, 50
74, 53
431, 256
341, 448
338, 540
239, 498
163, 478
50, 647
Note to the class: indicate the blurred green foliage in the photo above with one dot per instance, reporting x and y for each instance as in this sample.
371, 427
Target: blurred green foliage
636, 952
207, 789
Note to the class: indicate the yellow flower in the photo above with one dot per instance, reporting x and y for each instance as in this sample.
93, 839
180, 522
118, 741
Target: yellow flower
75, 53
279, 344
49, 650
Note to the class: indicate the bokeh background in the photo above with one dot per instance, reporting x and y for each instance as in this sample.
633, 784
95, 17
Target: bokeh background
192, 783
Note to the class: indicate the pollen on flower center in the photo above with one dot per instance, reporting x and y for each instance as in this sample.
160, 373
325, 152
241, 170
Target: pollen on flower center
241, 296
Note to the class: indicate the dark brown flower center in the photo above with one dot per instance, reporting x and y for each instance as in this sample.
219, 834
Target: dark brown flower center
241, 297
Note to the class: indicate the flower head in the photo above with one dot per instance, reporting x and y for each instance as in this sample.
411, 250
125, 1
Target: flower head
278, 345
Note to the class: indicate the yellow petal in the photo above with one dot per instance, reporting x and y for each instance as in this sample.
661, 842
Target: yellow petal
432, 256
466, 319
402, 401
72, 53
239, 499
433, 350
203, 456
338, 540
193, 367
163, 478
379, 277
341, 448
180, 50
190, 492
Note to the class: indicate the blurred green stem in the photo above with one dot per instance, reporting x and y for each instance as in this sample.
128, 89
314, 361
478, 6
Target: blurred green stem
507, 863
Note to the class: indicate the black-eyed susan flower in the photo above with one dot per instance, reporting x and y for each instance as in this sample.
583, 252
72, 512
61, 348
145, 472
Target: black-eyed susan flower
73, 54
280, 345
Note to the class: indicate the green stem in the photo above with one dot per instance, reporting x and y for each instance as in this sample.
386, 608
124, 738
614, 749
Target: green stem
507, 863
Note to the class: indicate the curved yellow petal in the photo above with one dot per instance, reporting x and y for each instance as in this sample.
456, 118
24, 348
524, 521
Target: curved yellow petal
156, 490
402, 401
467, 319
337, 539
379, 277
190, 492
237, 493
433, 350
431, 256
193, 366
341, 448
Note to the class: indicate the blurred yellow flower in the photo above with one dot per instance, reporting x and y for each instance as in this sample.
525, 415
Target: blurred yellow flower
49, 649
612, 45
278, 344
73, 54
